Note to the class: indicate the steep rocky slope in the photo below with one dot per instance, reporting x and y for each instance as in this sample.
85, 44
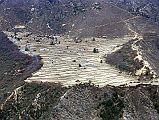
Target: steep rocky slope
146, 8
13, 66
81, 102
77, 18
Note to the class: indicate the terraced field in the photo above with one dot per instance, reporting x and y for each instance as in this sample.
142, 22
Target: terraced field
70, 63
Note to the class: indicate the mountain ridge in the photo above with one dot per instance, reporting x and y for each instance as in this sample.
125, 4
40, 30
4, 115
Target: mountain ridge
71, 17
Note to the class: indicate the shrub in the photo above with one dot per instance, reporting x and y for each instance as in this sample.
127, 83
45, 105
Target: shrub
95, 50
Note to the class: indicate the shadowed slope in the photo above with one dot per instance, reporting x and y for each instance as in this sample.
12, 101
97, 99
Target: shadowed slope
14, 66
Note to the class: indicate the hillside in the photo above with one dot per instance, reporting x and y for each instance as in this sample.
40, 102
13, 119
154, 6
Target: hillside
14, 66
76, 18
81, 102
138, 56
79, 60
145, 8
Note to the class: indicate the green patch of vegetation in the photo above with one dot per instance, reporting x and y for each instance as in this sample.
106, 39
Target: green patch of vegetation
32, 102
154, 95
111, 109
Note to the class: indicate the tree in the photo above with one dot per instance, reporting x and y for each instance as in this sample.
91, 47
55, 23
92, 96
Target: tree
80, 65
93, 39
95, 50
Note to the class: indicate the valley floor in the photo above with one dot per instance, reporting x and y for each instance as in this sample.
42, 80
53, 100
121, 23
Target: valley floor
69, 63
